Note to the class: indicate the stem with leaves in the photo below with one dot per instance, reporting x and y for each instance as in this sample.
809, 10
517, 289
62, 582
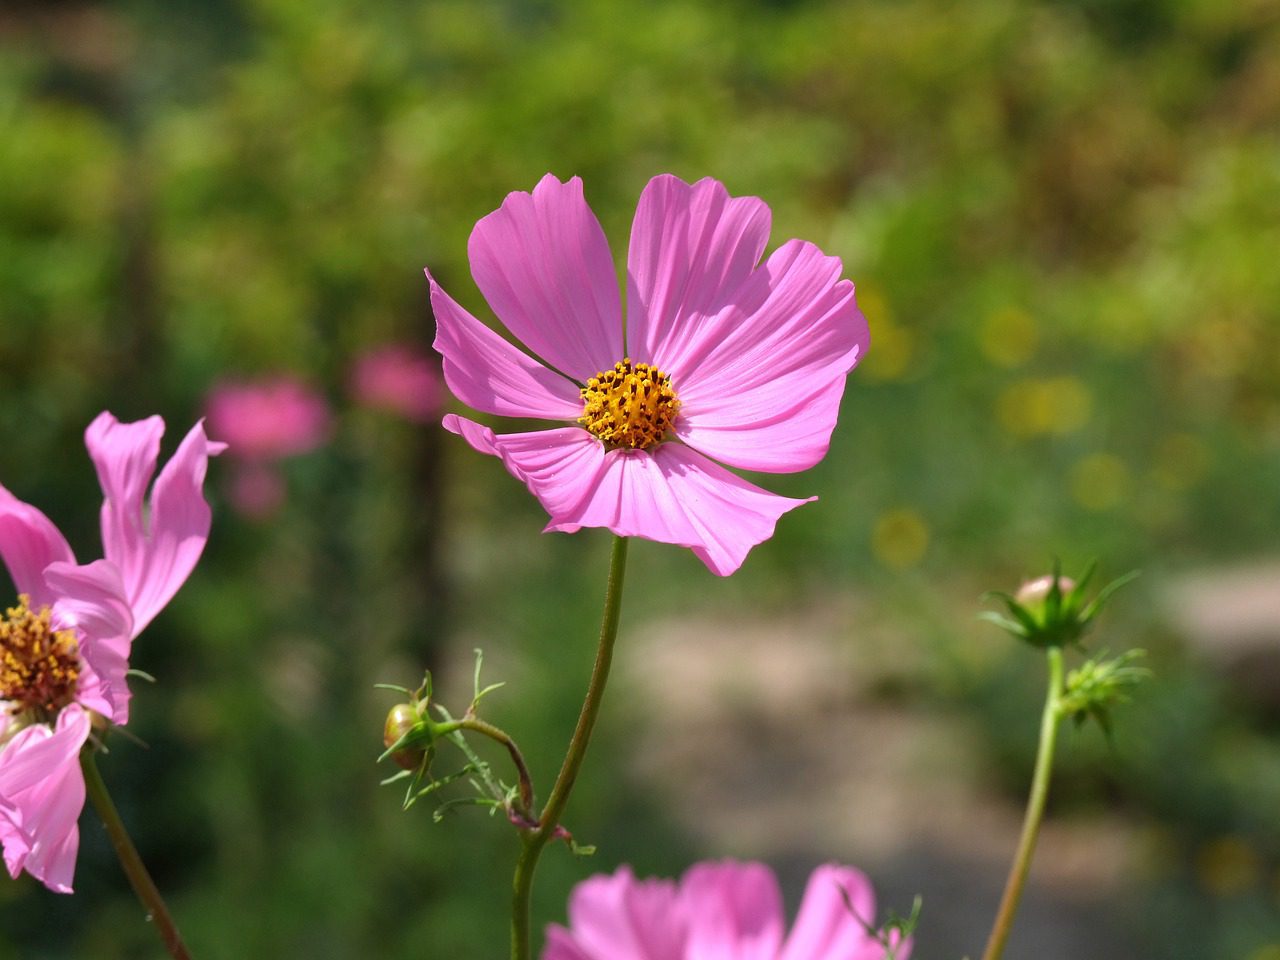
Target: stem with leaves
548, 825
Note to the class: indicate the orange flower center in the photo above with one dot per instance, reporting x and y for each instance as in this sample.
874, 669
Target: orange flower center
629, 406
39, 666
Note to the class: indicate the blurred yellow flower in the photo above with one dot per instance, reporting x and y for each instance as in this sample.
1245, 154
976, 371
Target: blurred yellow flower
1058, 405
1180, 461
900, 538
893, 347
1099, 481
1008, 337
1268, 951
1227, 866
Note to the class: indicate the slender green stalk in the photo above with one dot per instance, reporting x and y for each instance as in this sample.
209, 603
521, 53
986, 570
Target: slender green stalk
1035, 810
549, 821
498, 735
134, 868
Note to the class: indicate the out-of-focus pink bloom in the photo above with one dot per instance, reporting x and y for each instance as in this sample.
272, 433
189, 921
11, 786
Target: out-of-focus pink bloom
267, 419
725, 360
399, 379
726, 910
263, 421
66, 643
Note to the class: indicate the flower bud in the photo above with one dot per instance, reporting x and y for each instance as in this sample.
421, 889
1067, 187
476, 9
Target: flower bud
1032, 594
403, 719
1051, 611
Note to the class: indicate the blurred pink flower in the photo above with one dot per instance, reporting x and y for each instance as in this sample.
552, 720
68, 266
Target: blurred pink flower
727, 910
399, 379
262, 421
267, 419
725, 360
66, 643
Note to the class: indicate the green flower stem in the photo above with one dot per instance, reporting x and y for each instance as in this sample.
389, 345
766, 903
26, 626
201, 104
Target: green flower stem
1035, 810
549, 821
476, 725
134, 868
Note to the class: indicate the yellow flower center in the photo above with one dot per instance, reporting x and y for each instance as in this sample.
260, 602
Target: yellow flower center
630, 405
39, 666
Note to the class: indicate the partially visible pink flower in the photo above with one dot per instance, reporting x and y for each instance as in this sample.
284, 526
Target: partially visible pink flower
66, 642
261, 422
726, 911
725, 360
267, 419
399, 379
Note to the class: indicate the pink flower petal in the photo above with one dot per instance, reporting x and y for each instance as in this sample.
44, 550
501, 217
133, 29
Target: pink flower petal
489, 374
621, 918
560, 467
91, 599
41, 782
29, 542
675, 495
543, 264
692, 248
825, 929
560, 945
156, 554
734, 910
766, 387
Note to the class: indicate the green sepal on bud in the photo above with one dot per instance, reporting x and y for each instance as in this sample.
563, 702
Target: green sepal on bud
409, 733
1099, 684
402, 734
1051, 611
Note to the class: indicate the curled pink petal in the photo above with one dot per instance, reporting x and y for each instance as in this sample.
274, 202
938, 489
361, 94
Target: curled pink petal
154, 554
489, 374
692, 248
43, 789
29, 542
735, 911
543, 264
92, 600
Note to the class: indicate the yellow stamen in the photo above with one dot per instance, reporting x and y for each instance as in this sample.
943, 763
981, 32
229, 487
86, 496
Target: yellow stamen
39, 666
629, 406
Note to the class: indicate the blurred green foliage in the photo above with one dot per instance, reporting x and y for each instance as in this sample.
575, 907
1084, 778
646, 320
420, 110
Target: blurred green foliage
1063, 219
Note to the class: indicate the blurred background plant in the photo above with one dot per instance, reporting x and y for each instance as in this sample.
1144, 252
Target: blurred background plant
1063, 221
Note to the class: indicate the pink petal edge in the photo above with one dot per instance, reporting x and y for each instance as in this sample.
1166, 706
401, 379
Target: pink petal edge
543, 264
154, 554
29, 542
692, 247
487, 373
40, 779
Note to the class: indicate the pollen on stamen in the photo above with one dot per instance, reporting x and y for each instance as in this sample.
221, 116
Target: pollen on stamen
39, 666
629, 406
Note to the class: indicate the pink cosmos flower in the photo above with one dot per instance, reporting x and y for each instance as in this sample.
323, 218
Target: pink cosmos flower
399, 379
725, 360
727, 910
263, 421
64, 647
